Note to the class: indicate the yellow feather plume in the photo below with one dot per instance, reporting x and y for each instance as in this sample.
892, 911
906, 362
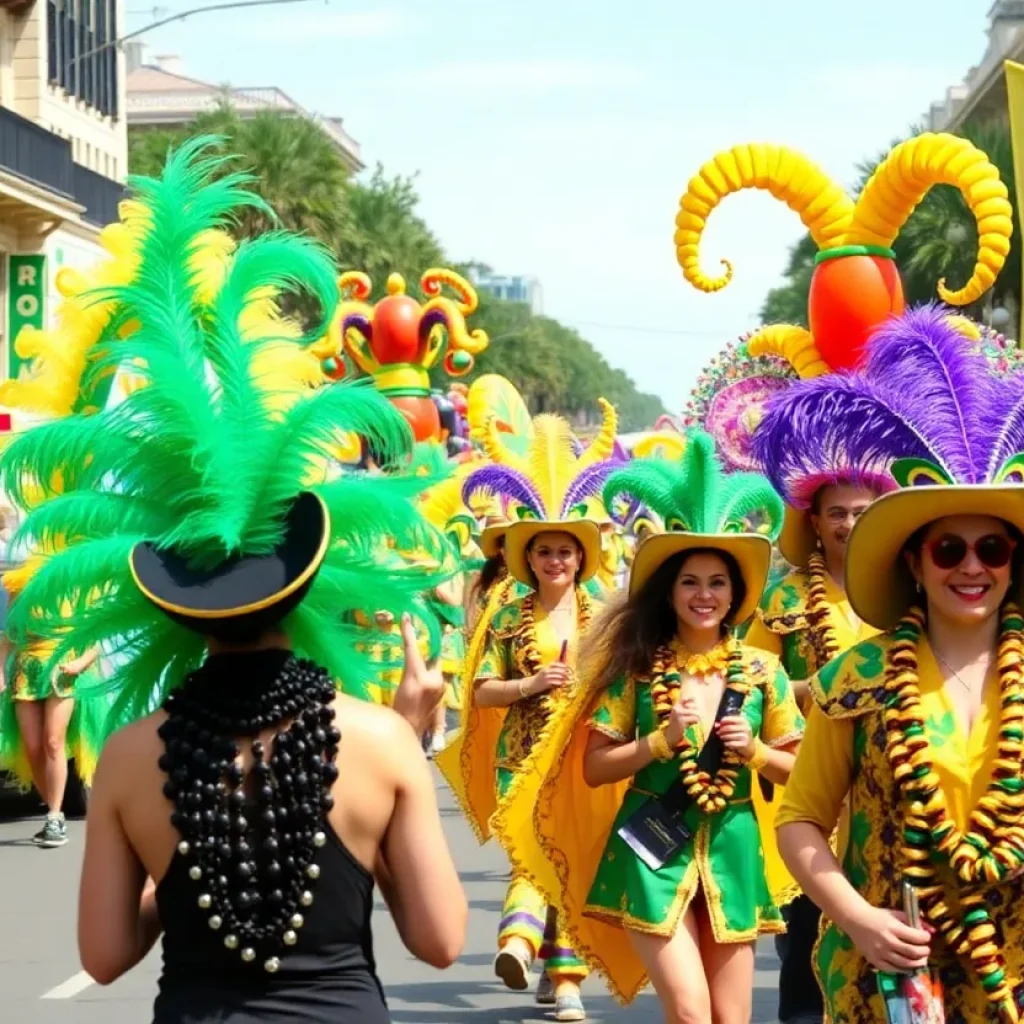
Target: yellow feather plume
603, 445
552, 461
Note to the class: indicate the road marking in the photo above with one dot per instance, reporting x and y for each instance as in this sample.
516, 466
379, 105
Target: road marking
70, 988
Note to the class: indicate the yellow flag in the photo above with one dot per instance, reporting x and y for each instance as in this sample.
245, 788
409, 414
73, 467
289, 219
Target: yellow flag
1015, 93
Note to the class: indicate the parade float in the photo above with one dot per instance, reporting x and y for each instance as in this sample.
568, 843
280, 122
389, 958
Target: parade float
856, 285
398, 340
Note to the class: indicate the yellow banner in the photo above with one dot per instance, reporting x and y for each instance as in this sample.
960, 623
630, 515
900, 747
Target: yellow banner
1015, 93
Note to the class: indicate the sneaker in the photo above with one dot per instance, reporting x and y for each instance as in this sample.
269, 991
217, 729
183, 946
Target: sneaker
436, 744
545, 990
54, 832
513, 969
569, 1006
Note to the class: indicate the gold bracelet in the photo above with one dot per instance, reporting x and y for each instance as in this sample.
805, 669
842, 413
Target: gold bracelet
522, 690
660, 746
759, 758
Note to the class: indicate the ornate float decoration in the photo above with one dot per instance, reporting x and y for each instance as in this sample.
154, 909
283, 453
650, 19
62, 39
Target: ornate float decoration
856, 284
399, 339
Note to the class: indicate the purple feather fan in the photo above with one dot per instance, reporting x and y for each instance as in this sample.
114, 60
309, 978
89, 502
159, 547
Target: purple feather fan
508, 483
588, 483
925, 392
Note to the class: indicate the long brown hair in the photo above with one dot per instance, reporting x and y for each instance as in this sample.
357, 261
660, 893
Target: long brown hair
625, 638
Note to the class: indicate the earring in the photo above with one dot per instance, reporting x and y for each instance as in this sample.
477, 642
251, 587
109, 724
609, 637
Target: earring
817, 543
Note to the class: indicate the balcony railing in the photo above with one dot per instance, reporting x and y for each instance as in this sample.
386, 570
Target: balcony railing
35, 154
100, 196
44, 159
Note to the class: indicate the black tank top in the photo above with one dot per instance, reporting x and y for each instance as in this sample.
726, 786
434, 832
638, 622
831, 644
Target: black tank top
328, 977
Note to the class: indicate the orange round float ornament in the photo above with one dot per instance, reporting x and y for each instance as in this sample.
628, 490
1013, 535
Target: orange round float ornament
399, 339
854, 288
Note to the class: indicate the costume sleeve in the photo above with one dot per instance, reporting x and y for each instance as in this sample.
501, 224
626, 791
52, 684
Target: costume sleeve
822, 774
615, 713
782, 723
495, 661
759, 635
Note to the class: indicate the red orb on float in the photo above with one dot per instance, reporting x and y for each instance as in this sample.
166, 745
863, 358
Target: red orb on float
853, 292
396, 335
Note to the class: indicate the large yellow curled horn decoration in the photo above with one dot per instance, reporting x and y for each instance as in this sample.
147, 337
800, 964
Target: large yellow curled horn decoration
856, 285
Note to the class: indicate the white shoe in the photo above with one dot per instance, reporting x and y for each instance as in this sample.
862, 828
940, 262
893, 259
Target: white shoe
436, 744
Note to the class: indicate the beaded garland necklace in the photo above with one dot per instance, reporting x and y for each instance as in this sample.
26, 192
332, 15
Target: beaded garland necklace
818, 611
254, 859
531, 648
711, 795
993, 845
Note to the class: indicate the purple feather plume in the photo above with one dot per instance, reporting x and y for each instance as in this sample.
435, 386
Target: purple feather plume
925, 392
507, 483
938, 379
589, 483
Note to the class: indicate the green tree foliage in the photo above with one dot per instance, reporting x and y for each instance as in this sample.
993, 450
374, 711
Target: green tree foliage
374, 225
939, 240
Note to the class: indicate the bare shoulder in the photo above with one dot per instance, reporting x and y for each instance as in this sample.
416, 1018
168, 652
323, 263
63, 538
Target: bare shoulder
371, 723
139, 739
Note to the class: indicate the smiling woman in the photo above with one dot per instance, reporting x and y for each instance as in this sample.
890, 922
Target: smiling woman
921, 727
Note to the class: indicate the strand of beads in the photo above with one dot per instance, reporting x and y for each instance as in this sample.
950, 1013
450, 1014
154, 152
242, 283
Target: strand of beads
818, 609
253, 860
532, 660
710, 794
993, 845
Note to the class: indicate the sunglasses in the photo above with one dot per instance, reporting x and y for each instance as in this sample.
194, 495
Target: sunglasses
994, 550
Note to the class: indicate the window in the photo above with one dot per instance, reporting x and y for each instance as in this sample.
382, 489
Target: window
81, 57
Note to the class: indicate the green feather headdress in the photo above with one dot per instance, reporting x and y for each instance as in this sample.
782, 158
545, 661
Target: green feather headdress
701, 506
693, 494
206, 457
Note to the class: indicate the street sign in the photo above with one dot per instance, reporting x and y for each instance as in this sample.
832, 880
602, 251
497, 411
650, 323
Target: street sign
26, 302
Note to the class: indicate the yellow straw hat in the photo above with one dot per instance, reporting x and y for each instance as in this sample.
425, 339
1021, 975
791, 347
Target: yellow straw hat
879, 583
702, 507
519, 535
752, 553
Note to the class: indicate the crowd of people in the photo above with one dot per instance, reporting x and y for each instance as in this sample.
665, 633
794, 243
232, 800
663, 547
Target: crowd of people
679, 747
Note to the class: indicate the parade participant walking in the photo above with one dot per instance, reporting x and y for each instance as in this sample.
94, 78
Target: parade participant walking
664, 666
247, 808
42, 726
919, 727
806, 620
522, 676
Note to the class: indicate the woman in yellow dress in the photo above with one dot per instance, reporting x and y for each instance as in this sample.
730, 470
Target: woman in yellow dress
921, 727
521, 665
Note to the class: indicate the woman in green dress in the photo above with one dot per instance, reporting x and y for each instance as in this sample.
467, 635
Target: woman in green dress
665, 660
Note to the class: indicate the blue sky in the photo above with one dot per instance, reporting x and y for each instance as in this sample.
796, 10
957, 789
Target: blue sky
554, 138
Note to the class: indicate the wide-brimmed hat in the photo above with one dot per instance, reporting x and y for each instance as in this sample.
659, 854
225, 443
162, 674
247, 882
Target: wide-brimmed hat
246, 594
879, 583
519, 535
492, 536
752, 553
702, 507
550, 489
798, 539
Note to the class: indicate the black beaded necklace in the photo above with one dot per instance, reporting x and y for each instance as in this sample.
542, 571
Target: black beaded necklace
254, 857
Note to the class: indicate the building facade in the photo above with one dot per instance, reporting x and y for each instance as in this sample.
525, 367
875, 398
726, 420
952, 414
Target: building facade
63, 150
982, 94
161, 95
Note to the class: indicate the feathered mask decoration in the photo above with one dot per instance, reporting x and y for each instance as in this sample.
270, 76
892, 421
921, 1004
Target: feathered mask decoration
692, 494
556, 480
927, 408
205, 459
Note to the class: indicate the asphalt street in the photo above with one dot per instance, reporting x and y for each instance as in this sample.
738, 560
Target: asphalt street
41, 981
